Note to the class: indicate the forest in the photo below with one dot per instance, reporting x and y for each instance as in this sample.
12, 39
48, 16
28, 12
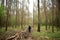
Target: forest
29, 19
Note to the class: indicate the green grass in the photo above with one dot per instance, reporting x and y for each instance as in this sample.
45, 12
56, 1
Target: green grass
35, 34
54, 35
46, 34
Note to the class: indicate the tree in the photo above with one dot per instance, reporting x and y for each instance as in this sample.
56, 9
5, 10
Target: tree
7, 11
45, 13
2, 2
22, 14
2, 16
57, 15
17, 14
28, 12
52, 15
38, 16
49, 13
33, 14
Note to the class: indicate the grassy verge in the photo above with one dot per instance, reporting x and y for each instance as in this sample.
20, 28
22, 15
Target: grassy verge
51, 36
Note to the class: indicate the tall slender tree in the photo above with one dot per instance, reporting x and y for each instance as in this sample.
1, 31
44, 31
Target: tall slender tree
22, 14
33, 14
16, 14
7, 12
45, 13
58, 14
38, 16
2, 2
52, 15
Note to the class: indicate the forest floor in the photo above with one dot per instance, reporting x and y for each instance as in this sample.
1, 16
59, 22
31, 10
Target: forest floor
25, 35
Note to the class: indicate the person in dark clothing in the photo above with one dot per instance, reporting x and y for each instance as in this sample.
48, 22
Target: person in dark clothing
29, 28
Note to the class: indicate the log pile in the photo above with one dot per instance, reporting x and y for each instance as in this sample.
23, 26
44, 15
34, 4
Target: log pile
21, 35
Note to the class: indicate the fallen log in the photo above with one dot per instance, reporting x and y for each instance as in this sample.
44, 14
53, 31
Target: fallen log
20, 35
12, 37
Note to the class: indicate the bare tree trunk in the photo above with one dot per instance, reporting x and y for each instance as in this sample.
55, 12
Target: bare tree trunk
22, 14
58, 15
28, 12
2, 2
16, 13
33, 14
45, 13
38, 16
8, 7
7, 12
52, 15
